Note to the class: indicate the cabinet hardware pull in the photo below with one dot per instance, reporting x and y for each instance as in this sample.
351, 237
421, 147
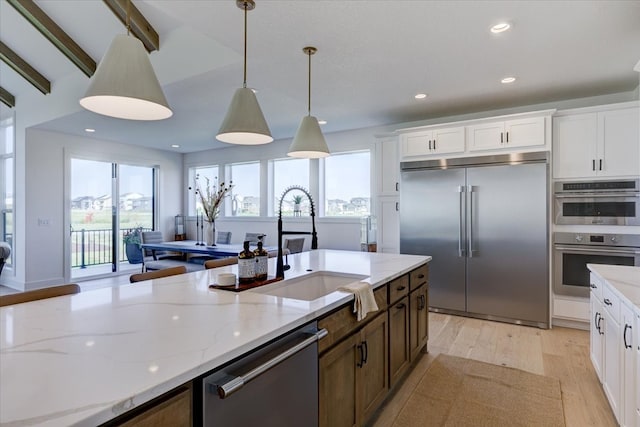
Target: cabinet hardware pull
608, 301
366, 352
600, 164
420, 276
421, 302
593, 286
397, 206
396, 186
595, 321
434, 144
599, 328
501, 138
401, 288
507, 137
624, 335
429, 144
361, 348
593, 164
400, 306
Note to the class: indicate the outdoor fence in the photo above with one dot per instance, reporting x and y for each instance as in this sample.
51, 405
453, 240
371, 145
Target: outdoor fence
94, 247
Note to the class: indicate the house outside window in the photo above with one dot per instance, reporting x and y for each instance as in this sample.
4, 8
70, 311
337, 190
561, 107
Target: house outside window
203, 173
244, 198
287, 173
347, 184
7, 139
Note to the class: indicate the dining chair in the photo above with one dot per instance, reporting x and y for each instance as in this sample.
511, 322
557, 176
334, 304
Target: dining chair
37, 294
156, 274
294, 245
156, 237
224, 237
5, 252
220, 262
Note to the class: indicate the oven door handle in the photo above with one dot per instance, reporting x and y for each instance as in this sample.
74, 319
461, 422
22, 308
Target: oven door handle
595, 196
584, 250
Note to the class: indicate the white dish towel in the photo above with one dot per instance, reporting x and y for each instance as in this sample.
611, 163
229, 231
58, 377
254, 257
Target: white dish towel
363, 302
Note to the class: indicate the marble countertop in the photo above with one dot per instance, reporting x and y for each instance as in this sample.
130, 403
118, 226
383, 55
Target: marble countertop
86, 358
625, 280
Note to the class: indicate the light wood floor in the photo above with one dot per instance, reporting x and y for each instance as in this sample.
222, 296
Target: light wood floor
559, 352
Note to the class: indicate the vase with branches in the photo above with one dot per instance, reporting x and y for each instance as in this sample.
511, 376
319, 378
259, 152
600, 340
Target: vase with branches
210, 195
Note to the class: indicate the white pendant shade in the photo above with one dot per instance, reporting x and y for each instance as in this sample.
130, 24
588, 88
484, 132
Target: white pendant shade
309, 142
244, 123
125, 85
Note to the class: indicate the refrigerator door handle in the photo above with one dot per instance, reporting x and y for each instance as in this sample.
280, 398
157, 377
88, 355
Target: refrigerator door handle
470, 190
461, 247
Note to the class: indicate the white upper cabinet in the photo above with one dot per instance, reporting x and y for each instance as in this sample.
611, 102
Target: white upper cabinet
597, 143
387, 167
433, 141
524, 132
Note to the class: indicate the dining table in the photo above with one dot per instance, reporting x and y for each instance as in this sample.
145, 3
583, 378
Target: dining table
194, 247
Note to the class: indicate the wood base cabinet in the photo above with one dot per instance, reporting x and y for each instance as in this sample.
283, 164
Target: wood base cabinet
399, 358
418, 321
353, 380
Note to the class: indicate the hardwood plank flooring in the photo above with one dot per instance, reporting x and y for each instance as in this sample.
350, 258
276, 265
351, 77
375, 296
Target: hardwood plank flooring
562, 353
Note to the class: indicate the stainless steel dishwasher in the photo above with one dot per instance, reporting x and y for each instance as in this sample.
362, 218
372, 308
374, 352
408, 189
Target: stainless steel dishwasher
276, 385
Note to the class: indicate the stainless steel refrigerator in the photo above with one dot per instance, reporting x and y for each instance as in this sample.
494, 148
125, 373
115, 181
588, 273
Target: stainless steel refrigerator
484, 220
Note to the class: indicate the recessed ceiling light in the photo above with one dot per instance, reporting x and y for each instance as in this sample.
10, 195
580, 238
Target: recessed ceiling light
508, 80
420, 96
322, 122
501, 27
89, 130
175, 146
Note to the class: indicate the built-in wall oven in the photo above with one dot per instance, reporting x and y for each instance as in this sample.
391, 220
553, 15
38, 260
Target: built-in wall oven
573, 251
598, 202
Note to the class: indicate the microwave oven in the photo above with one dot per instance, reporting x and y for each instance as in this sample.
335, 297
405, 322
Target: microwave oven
597, 202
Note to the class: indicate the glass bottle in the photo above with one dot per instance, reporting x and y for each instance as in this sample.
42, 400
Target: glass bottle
246, 265
262, 261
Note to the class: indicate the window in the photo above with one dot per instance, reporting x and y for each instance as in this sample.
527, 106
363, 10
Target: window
347, 184
288, 172
245, 195
7, 137
203, 173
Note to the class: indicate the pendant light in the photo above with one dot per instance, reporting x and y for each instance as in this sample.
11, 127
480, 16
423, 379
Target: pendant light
309, 142
244, 123
124, 84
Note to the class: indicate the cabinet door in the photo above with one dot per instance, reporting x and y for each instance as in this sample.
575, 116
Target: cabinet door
171, 411
524, 132
486, 136
618, 143
629, 376
612, 363
388, 233
373, 383
448, 140
418, 321
387, 167
337, 384
398, 339
637, 350
596, 333
574, 145
416, 143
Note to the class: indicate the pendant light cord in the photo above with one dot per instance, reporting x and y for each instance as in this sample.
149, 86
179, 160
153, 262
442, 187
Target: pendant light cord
244, 83
309, 97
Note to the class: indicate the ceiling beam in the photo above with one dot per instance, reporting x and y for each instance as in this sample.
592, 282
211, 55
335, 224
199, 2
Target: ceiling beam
140, 27
55, 35
24, 69
6, 98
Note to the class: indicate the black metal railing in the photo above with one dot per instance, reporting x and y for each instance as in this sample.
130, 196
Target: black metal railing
94, 247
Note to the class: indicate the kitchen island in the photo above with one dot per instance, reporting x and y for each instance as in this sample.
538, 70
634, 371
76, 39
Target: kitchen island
88, 358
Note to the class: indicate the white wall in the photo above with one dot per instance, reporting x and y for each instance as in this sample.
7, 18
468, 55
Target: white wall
46, 197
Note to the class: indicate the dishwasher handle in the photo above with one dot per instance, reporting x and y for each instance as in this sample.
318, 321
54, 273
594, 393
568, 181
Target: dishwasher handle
234, 384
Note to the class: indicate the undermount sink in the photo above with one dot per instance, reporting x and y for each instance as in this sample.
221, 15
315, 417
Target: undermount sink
309, 287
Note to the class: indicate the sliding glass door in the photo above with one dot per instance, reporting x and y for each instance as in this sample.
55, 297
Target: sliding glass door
107, 200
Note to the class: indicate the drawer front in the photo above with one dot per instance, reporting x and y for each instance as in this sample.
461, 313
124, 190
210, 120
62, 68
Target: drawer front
343, 322
611, 303
398, 288
418, 277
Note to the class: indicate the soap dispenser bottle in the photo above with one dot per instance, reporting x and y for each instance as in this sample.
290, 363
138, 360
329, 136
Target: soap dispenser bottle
262, 261
246, 265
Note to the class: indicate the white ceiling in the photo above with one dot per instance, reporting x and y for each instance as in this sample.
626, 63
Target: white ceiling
373, 57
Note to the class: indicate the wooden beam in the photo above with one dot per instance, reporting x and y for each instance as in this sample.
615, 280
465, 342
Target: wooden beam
55, 35
6, 98
140, 27
24, 69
